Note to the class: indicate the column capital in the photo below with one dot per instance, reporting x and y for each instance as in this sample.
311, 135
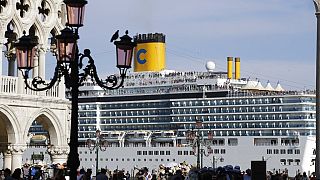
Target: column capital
317, 6
58, 150
17, 148
42, 49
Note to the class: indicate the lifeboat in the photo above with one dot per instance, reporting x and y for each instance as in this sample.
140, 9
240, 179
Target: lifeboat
137, 136
38, 139
114, 136
163, 136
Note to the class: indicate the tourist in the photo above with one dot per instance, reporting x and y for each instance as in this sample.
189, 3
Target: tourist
59, 175
146, 173
102, 175
81, 173
17, 174
304, 176
7, 174
87, 175
247, 175
312, 176
127, 175
178, 176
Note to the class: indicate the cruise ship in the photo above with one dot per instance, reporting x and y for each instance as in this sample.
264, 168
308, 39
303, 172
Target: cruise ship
151, 120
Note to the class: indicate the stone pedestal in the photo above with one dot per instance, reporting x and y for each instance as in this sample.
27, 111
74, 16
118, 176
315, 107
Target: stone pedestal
7, 159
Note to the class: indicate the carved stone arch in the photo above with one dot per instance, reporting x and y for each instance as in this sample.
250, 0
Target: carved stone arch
30, 18
19, 28
51, 123
11, 125
52, 9
8, 11
39, 32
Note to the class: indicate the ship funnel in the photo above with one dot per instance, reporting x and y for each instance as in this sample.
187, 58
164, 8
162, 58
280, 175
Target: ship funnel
237, 68
229, 67
149, 54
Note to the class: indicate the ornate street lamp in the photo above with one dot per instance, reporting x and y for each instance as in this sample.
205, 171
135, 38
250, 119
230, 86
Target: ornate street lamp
25, 51
99, 143
75, 12
197, 142
69, 63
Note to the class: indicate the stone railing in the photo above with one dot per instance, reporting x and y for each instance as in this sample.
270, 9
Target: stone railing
14, 85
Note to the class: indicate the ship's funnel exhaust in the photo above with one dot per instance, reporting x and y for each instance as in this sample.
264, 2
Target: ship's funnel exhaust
149, 54
237, 68
229, 67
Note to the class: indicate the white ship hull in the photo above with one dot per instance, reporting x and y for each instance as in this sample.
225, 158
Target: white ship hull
241, 154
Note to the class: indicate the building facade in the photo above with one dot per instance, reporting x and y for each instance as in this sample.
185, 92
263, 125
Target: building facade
20, 107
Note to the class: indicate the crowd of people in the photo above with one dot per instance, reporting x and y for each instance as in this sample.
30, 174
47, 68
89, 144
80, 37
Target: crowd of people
180, 171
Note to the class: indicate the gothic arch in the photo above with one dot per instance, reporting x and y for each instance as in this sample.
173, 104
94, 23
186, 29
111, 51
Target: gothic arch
11, 124
18, 25
40, 32
50, 122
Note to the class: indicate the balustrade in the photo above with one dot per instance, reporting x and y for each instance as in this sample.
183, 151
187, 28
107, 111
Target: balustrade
9, 85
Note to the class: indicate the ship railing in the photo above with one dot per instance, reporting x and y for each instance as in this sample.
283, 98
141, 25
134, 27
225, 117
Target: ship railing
157, 90
250, 93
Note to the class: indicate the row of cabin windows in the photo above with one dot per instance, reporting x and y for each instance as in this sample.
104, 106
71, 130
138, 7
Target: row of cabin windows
288, 162
201, 117
242, 109
215, 151
228, 102
135, 112
134, 105
151, 153
214, 126
283, 151
195, 103
151, 112
237, 117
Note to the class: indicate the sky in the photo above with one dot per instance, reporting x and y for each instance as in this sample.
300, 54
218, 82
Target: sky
275, 39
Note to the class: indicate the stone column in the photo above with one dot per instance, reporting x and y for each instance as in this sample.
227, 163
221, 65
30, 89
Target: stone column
61, 89
42, 62
1, 62
21, 86
59, 154
7, 157
17, 152
35, 70
11, 64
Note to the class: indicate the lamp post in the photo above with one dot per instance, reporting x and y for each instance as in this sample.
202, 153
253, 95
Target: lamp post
215, 160
197, 142
69, 64
317, 162
99, 143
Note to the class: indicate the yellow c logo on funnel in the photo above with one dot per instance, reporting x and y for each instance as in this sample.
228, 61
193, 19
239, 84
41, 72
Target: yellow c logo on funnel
141, 51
